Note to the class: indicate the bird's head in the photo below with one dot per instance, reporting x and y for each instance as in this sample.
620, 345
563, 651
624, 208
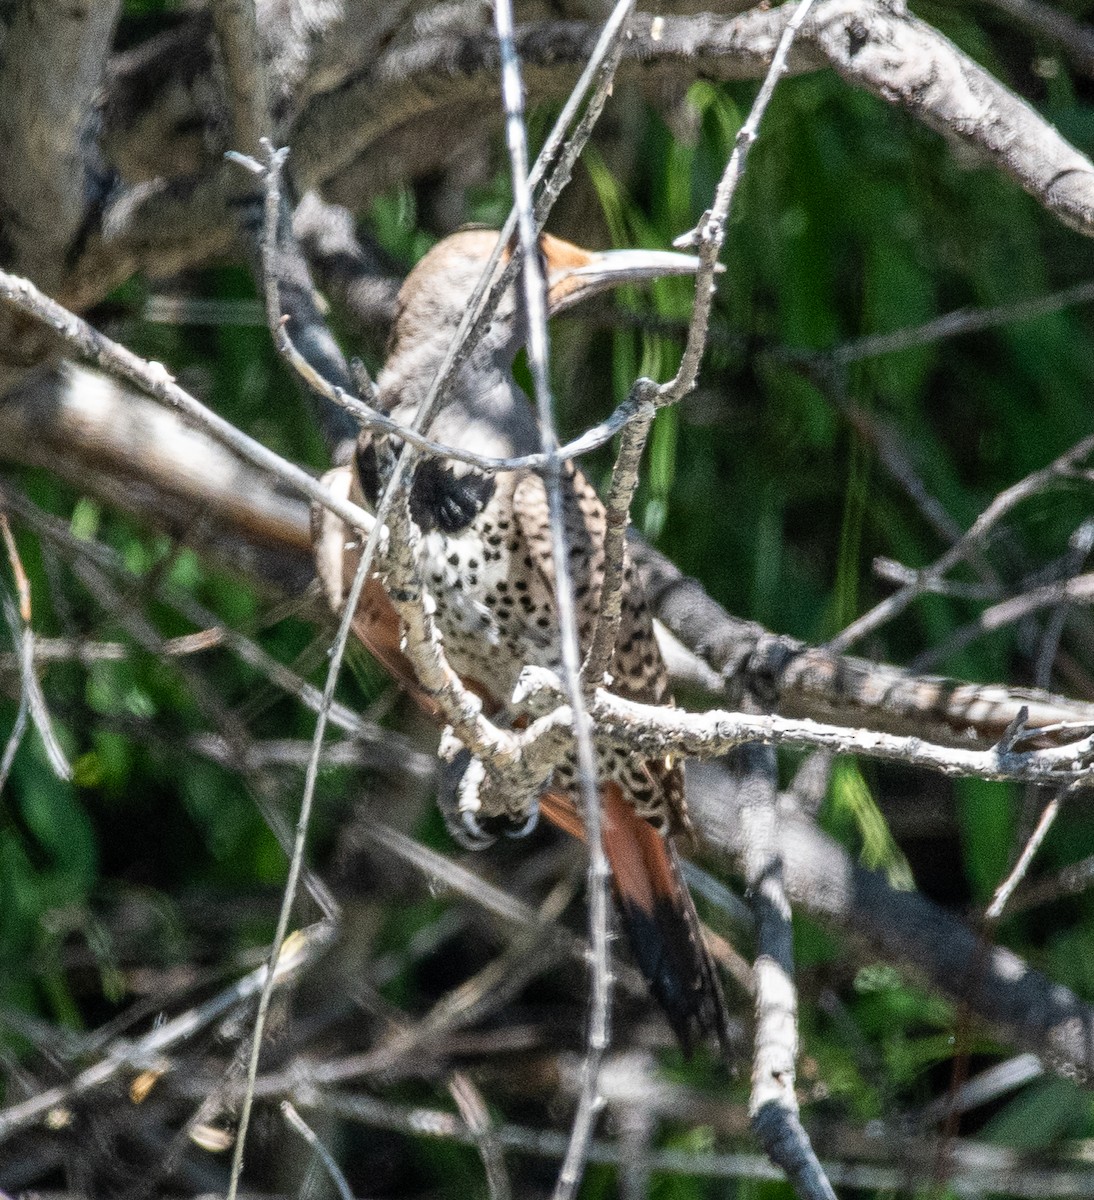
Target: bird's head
435, 295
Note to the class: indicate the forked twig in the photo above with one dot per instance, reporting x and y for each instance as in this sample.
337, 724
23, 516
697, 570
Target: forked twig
645, 397
1062, 468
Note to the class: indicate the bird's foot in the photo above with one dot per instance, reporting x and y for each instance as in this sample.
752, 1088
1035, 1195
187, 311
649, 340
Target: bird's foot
530, 822
464, 804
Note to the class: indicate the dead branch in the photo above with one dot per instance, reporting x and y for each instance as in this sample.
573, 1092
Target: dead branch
345, 139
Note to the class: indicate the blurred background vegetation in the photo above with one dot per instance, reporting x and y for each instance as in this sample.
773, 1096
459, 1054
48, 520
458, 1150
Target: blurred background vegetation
152, 877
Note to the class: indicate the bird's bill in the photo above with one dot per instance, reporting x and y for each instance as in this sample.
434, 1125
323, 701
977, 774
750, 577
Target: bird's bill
574, 274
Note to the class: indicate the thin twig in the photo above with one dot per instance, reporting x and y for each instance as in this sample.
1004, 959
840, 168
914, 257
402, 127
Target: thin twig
30, 697
598, 75
982, 1167
709, 235
476, 1116
22, 583
958, 322
152, 378
974, 538
1005, 890
1060, 595
247, 650
1079, 546
535, 301
22, 716
297, 1122
983, 1088
617, 510
296, 859
1073, 880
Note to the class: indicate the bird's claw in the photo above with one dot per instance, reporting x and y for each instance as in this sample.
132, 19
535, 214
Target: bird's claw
530, 822
461, 803
475, 837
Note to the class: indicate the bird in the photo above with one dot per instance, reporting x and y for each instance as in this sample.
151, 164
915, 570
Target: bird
485, 558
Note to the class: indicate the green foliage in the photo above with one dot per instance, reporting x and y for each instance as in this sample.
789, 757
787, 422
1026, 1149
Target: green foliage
852, 803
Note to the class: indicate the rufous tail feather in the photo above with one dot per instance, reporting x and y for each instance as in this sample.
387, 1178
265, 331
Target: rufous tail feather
657, 913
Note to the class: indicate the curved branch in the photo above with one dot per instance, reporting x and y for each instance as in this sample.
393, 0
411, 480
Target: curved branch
906, 62
367, 132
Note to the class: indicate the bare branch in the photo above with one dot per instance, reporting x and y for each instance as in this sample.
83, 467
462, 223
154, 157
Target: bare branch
148, 1052
535, 304
798, 680
30, 696
1005, 890
1058, 471
153, 379
773, 1105
297, 1122
617, 515
674, 731
959, 322
1058, 596
905, 62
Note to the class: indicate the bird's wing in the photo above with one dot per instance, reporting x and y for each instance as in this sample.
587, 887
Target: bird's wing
585, 526
338, 550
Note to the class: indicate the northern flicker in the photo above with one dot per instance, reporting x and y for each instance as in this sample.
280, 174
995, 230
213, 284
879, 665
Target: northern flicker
485, 560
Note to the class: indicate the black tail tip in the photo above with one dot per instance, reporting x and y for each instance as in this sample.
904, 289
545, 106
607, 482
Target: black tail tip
680, 974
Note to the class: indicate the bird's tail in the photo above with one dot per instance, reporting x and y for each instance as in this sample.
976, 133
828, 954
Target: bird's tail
658, 915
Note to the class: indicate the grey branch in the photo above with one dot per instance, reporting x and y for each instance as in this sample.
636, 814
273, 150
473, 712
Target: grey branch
365, 131
1029, 1010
